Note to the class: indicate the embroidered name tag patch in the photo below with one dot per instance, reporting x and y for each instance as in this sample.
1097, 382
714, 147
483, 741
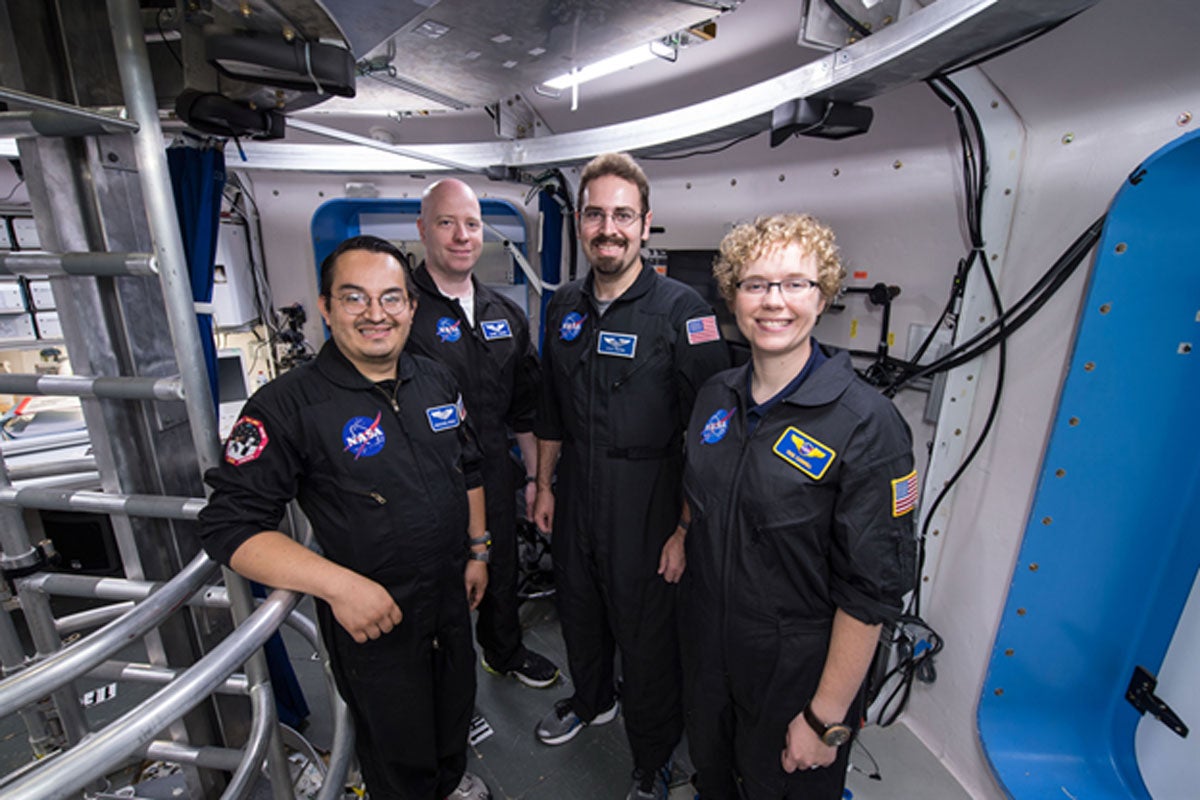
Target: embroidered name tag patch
449, 329
804, 453
363, 436
617, 344
247, 440
443, 418
904, 494
702, 329
493, 329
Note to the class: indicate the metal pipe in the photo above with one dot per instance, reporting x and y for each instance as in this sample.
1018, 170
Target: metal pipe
68, 466
101, 264
365, 141
91, 618
35, 101
68, 664
87, 386
12, 661
134, 505
257, 745
101, 753
223, 758
148, 673
43, 122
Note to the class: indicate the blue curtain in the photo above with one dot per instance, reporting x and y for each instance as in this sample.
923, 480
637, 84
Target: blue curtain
198, 180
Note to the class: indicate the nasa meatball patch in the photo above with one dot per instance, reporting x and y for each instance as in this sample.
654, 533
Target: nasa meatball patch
247, 440
363, 436
804, 453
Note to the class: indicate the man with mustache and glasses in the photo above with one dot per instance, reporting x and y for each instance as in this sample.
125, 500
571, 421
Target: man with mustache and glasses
625, 351
374, 444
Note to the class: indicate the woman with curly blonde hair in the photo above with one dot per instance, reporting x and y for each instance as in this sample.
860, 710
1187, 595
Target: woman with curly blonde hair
800, 486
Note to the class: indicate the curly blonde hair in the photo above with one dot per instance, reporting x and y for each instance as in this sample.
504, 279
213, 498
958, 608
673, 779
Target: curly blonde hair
750, 241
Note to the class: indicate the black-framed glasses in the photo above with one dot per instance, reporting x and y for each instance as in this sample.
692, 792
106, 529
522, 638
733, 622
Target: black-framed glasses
622, 217
788, 286
393, 302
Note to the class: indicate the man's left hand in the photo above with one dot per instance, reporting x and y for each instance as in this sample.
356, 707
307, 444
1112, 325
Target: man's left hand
476, 579
673, 559
803, 749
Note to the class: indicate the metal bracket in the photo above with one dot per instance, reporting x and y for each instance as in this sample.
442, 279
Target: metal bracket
1141, 696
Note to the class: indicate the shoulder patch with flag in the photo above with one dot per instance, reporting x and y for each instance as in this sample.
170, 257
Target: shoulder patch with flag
904, 494
702, 329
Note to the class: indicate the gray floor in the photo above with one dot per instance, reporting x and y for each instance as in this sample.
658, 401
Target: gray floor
596, 764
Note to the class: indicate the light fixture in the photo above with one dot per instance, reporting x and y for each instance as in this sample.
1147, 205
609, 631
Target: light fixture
301, 66
605, 66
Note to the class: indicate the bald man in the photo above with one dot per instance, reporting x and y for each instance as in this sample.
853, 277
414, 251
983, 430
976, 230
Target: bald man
483, 337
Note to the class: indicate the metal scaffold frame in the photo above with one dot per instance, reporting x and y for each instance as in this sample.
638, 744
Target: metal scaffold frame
143, 606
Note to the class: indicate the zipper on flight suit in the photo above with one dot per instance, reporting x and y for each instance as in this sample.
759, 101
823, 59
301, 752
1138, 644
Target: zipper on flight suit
729, 522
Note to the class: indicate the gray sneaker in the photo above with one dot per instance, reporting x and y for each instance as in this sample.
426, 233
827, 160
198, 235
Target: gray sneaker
562, 724
471, 787
652, 785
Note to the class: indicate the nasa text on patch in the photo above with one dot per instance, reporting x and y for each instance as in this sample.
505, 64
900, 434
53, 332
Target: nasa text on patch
443, 418
717, 426
363, 436
804, 452
610, 343
572, 326
247, 440
449, 329
493, 329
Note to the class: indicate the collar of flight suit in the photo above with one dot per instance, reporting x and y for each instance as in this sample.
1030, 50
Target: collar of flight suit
645, 280
826, 383
428, 288
333, 364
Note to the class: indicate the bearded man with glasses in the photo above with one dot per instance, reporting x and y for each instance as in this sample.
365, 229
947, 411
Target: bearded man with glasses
625, 351
374, 444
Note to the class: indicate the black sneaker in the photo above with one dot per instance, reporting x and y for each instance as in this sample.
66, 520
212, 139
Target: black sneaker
533, 670
562, 724
650, 785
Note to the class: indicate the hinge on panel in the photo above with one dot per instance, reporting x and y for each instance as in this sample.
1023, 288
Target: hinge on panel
1141, 696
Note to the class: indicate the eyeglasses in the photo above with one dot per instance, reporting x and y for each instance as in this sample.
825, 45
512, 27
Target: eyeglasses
621, 217
789, 286
393, 302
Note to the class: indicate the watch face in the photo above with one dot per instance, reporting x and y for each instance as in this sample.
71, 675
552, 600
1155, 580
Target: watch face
836, 735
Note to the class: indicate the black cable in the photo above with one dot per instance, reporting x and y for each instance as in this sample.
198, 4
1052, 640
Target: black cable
163, 37
710, 151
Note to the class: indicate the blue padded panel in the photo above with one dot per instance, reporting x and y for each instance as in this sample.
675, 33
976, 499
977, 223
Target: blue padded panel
1113, 530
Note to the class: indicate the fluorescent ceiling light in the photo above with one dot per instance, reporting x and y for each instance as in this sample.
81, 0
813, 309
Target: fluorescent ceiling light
606, 66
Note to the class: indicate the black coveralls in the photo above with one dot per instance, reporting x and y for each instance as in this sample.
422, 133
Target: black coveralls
619, 405
497, 368
383, 480
809, 514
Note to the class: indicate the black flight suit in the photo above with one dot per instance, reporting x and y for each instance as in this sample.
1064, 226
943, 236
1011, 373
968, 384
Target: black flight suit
497, 368
617, 390
382, 474
810, 513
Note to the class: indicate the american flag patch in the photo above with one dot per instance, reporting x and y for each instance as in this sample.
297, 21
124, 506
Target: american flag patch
702, 329
904, 494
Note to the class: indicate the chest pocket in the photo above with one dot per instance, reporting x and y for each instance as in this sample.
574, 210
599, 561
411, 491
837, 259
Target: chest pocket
642, 401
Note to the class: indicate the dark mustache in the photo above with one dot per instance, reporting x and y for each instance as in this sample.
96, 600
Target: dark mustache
617, 240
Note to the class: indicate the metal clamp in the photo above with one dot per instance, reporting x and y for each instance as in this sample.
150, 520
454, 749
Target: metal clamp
1141, 696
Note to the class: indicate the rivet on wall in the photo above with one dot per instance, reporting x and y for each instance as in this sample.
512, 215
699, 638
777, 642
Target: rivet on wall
1060, 473
836, 172
1107, 307
1033, 567
897, 164
1009, 652
1121, 247
1021, 612
999, 692
1089, 366
1073, 421
1047, 520
688, 185
1183, 119
781, 177
1068, 138
1184, 348
733, 181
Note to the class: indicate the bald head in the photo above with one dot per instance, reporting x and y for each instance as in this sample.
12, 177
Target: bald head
451, 228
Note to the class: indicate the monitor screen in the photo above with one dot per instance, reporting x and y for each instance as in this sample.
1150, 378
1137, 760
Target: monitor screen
231, 376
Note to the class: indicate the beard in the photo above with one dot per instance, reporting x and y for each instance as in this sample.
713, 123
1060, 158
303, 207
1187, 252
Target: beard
610, 265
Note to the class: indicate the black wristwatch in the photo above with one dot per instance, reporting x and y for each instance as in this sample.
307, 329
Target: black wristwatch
834, 734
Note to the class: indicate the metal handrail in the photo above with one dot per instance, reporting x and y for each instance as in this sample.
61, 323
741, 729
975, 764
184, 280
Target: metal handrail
107, 749
134, 505
64, 666
262, 701
90, 386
